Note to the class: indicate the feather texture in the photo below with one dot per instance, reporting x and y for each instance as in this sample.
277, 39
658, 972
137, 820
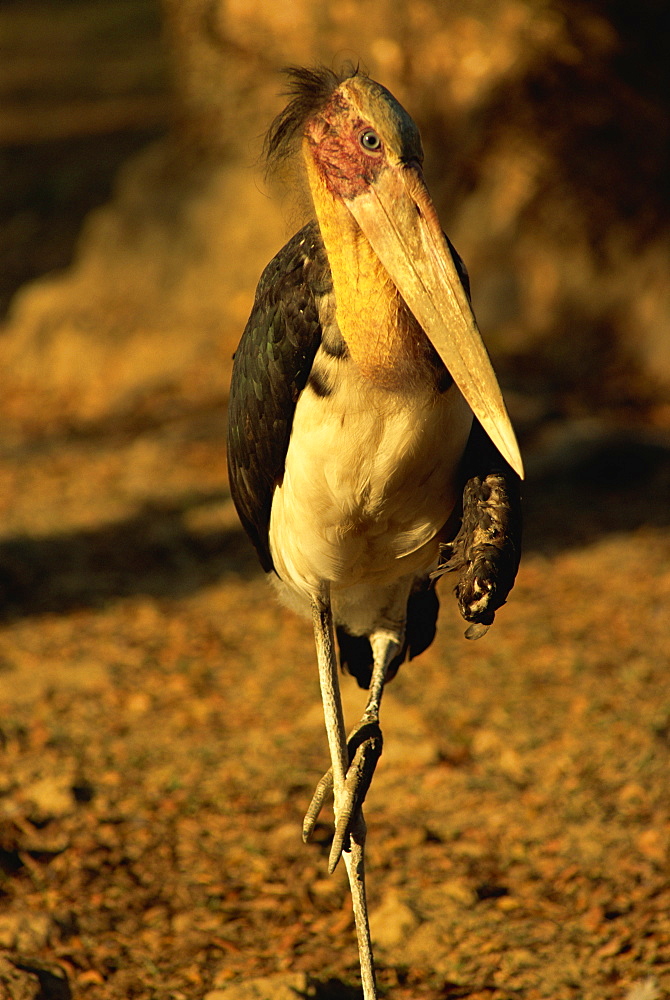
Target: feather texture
272, 365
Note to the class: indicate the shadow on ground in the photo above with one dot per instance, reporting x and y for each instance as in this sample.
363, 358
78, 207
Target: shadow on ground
577, 492
335, 989
154, 553
591, 485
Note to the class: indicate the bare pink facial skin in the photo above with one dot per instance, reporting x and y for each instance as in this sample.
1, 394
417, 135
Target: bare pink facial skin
346, 168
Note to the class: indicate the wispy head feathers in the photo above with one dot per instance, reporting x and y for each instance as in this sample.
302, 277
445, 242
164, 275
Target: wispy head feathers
309, 90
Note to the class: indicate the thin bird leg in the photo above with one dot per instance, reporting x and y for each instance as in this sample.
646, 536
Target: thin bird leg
364, 747
366, 741
322, 620
332, 709
354, 860
385, 645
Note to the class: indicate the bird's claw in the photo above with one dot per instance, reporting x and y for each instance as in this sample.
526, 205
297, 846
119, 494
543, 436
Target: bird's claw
320, 792
364, 746
356, 785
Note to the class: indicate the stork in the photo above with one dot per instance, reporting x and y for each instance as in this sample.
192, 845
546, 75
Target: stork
369, 448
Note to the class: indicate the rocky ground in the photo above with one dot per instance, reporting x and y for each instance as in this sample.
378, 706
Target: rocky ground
161, 731
161, 734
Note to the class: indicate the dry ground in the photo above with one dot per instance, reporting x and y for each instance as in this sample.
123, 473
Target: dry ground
161, 732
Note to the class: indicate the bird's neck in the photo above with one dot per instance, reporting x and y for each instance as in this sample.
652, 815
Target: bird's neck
383, 338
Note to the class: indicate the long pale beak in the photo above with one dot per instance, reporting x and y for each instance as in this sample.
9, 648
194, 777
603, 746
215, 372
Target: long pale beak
398, 218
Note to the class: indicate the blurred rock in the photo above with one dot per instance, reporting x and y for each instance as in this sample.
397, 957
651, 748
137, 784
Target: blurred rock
24, 931
408, 741
392, 922
644, 989
288, 986
427, 947
51, 796
17, 985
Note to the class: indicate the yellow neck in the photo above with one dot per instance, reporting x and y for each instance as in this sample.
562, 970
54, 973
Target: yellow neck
380, 332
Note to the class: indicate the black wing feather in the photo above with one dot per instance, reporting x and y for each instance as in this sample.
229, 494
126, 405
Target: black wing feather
272, 365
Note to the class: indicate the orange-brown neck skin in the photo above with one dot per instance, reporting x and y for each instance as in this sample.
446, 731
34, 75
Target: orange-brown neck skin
386, 342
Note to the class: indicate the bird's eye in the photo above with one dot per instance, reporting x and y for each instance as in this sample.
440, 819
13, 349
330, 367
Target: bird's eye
370, 140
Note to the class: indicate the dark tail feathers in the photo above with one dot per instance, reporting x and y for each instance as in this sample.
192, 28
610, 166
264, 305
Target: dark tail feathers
422, 610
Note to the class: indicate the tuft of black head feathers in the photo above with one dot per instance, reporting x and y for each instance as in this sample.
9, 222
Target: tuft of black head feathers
309, 90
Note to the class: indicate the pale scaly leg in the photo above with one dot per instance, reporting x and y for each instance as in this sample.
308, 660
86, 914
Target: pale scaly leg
364, 747
332, 709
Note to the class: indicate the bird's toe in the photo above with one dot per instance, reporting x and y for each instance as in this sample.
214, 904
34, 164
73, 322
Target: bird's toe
364, 746
321, 791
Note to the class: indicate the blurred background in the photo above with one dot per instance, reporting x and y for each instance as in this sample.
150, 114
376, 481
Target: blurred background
134, 221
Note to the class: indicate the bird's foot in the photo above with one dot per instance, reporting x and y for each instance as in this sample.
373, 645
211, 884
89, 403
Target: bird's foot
364, 747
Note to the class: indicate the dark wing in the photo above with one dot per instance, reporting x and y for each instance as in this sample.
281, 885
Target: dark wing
271, 367
487, 547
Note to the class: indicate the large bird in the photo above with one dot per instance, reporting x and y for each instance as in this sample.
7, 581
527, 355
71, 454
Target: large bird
369, 447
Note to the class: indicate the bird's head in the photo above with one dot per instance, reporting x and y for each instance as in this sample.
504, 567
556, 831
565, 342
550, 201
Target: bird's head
360, 133
363, 156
